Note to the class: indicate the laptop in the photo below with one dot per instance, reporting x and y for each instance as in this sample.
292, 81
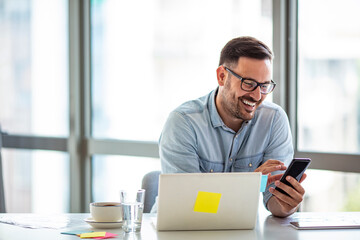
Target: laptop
208, 201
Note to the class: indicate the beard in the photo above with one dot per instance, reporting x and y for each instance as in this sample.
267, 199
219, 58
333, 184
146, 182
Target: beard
234, 106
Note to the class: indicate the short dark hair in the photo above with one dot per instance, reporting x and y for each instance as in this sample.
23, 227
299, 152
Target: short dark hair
244, 47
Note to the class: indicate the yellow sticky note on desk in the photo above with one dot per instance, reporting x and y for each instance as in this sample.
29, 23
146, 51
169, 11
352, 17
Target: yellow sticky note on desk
92, 234
207, 202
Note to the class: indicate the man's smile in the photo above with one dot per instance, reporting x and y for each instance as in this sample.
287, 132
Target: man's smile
248, 105
247, 102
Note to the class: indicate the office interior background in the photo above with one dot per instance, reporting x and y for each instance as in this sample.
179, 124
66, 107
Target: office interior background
86, 86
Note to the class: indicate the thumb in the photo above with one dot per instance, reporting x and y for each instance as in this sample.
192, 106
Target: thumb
273, 178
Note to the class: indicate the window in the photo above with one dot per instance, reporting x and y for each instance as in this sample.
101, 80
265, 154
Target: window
331, 191
36, 181
146, 61
86, 95
329, 77
329, 101
34, 101
111, 174
34, 67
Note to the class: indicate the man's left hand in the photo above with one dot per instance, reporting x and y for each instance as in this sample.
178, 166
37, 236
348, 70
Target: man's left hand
282, 205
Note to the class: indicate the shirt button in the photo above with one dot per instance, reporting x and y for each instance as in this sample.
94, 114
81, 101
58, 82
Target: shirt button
230, 159
250, 165
211, 170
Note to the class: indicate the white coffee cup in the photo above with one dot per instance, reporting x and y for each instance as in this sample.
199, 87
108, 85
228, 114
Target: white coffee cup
106, 211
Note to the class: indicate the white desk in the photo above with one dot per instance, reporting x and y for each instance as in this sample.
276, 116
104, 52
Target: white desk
267, 227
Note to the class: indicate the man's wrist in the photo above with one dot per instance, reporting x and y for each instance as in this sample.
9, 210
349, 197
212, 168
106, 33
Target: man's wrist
277, 209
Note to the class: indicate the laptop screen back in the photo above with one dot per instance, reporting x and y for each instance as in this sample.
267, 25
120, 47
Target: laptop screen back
204, 201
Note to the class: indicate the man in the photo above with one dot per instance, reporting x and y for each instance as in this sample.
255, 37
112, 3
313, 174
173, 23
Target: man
232, 129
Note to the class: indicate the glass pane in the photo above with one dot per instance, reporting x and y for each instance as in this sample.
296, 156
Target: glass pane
329, 191
146, 61
34, 67
36, 181
329, 76
112, 173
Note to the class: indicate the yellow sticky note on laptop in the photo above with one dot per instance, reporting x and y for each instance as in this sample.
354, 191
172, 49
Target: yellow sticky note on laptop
92, 234
207, 202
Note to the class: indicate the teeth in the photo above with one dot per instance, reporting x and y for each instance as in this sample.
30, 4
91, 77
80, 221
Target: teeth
249, 103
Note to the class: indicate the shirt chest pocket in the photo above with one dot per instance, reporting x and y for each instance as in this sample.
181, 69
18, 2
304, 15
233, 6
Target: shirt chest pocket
209, 167
248, 164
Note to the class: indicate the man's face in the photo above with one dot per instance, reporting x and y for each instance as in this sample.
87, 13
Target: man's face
237, 103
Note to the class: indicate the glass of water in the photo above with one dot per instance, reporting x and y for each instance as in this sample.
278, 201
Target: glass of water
132, 205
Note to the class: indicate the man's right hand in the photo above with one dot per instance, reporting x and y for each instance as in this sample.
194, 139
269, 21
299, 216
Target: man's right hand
270, 166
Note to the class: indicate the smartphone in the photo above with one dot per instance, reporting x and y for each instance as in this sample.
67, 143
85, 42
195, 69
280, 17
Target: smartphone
296, 169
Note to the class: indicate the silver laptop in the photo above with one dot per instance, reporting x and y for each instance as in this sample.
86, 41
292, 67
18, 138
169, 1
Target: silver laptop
208, 201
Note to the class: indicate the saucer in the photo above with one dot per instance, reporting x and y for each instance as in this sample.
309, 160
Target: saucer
94, 224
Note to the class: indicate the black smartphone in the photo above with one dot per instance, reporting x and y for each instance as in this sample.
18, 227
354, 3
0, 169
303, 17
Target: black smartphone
296, 169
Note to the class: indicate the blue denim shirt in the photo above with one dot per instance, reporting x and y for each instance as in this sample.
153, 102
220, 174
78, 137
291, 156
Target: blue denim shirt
195, 139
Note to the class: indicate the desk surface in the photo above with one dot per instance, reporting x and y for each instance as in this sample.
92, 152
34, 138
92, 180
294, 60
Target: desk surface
267, 227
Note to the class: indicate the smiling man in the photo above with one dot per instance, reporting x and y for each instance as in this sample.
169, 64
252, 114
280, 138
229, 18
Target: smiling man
232, 129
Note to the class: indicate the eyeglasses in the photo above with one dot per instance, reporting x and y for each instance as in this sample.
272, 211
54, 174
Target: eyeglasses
250, 85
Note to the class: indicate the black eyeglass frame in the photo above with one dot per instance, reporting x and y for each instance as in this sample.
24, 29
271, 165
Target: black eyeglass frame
272, 83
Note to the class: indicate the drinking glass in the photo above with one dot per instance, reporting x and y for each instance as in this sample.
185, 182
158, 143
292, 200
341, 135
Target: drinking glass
132, 204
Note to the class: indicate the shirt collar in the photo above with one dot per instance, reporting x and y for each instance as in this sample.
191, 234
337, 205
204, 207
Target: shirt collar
214, 115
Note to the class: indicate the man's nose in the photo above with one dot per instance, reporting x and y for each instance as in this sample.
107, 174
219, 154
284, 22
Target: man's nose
256, 94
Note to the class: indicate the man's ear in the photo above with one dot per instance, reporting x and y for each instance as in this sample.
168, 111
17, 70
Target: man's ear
221, 74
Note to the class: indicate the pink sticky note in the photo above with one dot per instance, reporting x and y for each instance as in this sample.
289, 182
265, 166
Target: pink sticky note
107, 235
